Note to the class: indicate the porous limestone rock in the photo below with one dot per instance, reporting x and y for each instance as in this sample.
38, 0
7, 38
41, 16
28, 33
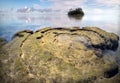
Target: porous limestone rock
60, 55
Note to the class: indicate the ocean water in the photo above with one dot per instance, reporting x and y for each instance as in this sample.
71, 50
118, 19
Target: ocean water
14, 22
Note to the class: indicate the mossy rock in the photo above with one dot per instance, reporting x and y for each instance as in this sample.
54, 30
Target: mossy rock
60, 55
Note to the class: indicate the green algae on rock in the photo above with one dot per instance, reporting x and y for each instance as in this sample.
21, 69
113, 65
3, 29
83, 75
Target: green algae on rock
60, 55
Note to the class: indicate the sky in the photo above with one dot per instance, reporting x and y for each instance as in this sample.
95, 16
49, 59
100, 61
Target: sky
98, 6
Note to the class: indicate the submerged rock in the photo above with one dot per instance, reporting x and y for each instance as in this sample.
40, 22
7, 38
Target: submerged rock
60, 55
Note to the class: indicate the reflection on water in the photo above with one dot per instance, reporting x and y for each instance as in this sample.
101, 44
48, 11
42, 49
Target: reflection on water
76, 17
9, 24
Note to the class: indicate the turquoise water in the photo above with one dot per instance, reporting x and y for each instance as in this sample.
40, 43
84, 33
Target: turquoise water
11, 23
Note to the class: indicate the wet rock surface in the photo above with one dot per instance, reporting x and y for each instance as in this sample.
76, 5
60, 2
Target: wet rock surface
60, 55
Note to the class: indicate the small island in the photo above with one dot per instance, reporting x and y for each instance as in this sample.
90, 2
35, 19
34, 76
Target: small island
76, 12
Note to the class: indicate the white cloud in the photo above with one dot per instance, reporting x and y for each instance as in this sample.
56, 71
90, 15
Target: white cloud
36, 6
26, 9
66, 4
109, 2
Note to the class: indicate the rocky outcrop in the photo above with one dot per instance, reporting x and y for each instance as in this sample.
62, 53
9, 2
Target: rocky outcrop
60, 55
